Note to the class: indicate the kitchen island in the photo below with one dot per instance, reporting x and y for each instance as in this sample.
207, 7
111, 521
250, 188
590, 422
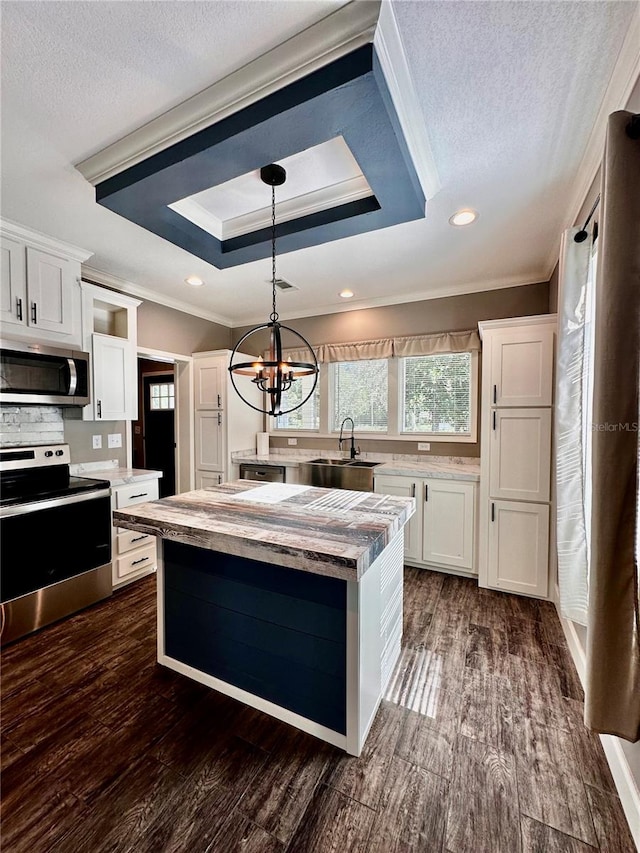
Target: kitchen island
286, 597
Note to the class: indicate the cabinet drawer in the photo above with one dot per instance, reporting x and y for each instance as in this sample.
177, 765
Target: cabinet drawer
136, 493
136, 561
128, 539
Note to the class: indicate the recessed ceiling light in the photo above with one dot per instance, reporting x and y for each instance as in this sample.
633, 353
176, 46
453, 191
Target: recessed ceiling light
346, 294
463, 217
194, 281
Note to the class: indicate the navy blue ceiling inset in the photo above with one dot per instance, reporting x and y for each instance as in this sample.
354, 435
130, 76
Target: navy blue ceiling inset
349, 97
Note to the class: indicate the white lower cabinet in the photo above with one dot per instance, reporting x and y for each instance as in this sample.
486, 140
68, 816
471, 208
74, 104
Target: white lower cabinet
519, 547
134, 554
442, 531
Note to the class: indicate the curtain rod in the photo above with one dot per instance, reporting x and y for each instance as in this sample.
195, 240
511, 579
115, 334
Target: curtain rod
633, 132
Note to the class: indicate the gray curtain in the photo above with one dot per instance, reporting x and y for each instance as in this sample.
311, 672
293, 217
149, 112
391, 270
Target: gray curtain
612, 703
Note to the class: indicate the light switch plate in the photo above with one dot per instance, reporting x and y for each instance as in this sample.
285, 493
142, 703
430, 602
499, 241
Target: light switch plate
424, 445
292, 441
115, 439
96, 442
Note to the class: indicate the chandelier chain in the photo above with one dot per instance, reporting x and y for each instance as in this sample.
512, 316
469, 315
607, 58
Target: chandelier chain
274, 313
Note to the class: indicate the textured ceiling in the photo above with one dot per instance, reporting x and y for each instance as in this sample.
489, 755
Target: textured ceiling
509, 93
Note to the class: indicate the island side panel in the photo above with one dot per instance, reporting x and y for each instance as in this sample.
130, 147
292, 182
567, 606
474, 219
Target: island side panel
273, 632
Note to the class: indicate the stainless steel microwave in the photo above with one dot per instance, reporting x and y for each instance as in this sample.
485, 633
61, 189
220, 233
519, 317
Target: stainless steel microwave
38, 375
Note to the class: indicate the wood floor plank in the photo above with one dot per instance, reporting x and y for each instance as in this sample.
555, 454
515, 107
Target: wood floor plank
537, 692
489, 612
412, 812
487, 650
570, 685
120, 818
428, 736
483, 801
592, 762
526, 638
363, 778
612, 828
42, 817
280, 795
539, 838
486, 709
239, 834
549, 784
333, 823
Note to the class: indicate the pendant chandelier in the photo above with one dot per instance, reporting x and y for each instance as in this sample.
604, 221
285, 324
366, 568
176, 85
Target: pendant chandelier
272, 374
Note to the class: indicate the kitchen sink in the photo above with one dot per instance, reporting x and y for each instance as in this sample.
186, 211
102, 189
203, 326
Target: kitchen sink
339, 474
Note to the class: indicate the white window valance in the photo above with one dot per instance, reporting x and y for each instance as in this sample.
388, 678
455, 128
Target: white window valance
398, 347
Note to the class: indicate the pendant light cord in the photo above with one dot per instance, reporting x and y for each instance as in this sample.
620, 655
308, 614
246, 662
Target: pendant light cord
274, 313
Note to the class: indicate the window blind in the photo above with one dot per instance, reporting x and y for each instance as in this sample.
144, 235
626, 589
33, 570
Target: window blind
360, 392
437, 393
307, 416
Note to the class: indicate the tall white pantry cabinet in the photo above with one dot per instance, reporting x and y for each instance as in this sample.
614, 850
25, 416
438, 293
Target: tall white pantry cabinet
515, 453
224, 424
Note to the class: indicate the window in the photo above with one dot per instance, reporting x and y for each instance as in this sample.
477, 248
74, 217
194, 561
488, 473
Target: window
360, 391
162, 395
307, 416
437, 393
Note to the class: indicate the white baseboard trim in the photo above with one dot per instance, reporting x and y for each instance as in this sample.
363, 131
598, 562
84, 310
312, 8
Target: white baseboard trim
626, 784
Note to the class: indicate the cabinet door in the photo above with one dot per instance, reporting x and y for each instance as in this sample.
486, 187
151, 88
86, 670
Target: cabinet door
114, 395
519, 547
522, 368
449, 519
13, 283
520, 454
211, 381
49, 285
209, 443
406, 487
205, 479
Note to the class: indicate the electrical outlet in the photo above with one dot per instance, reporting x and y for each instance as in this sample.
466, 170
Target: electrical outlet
96, 442
292, 442
424, 445
115, 439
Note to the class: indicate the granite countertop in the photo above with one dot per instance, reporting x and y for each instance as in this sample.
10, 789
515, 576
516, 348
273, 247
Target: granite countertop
330, 532
440, 468
115, 475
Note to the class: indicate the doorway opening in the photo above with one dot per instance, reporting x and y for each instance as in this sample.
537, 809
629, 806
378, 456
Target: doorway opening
160, 437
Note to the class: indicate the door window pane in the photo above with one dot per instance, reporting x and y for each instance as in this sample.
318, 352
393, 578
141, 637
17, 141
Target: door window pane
162, 395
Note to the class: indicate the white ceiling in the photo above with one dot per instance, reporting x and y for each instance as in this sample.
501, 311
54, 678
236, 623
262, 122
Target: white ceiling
509, 92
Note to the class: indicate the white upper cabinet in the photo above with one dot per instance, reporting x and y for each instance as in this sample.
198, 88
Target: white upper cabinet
522, 367
520, 451
50, 281
13, 291
211, 383
109, 323
40, 287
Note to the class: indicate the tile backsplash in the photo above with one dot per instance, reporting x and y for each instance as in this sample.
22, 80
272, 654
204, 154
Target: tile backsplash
31, 425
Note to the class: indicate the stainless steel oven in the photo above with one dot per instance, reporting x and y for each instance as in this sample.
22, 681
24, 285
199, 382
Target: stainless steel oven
55, 539
31, 373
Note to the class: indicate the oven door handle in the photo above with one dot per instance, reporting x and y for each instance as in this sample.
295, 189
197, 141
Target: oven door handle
36, 506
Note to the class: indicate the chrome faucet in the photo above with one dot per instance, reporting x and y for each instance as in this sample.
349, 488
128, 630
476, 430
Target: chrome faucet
352, 452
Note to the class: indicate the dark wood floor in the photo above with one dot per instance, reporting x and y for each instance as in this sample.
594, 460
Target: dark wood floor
478, 747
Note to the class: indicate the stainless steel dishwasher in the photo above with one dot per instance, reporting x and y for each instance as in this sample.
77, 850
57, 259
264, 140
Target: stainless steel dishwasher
263, 473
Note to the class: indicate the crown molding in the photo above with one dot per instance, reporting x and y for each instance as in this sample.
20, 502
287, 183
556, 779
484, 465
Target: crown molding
38, 240
510, 322
623, 79
94, 276
324, 198
419, 296
393, 61
340, 33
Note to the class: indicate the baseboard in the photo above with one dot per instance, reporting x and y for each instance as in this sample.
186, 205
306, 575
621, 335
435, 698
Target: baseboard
626, 784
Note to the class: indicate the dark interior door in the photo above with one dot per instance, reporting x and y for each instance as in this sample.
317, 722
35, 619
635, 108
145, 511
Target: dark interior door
159, 429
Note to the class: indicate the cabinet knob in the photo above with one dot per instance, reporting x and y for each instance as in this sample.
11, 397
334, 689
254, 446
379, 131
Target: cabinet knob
48, 453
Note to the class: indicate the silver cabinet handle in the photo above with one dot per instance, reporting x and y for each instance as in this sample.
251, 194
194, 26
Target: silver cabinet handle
141, 560
140, 538
19, 309
34, 312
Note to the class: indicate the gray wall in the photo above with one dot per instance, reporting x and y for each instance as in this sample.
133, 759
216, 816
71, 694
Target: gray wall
434, 315
174, 331
79, 434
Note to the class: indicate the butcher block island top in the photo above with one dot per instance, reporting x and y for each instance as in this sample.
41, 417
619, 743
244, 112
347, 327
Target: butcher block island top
331, 532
